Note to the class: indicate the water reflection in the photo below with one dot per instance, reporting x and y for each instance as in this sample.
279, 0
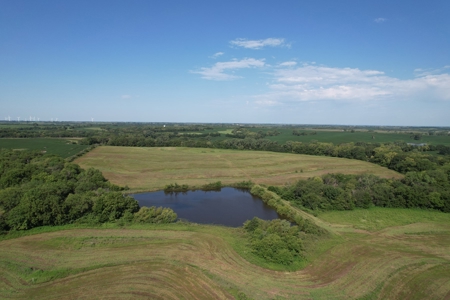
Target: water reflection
228, 206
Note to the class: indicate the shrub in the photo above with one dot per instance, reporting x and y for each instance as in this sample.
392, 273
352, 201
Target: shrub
155, 215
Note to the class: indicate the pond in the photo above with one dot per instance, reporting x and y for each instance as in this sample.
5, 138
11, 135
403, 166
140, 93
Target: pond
229, 206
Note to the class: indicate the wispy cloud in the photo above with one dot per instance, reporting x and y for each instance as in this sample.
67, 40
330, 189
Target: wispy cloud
288, 64
425, 72
258, 44
217, 71
216, 55
380, 20
126, 96
316, 83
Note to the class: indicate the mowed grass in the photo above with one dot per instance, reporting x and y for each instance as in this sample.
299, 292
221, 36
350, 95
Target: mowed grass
188, 261
377, 218
62, 147
146, 169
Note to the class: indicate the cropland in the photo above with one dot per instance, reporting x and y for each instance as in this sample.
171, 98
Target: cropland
64, 147
147, 169
188, 261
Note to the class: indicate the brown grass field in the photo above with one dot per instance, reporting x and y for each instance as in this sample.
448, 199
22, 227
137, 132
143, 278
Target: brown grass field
182, 261
147, 169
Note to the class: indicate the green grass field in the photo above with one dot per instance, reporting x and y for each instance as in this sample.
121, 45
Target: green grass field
146, 169
338, 137
377, 218
62, 147
191, 261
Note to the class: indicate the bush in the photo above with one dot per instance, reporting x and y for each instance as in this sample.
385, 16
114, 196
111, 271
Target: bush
275, 241
155, 215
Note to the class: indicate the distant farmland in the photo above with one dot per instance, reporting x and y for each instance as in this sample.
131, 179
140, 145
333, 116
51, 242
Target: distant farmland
61, 147
339, 136
146, 169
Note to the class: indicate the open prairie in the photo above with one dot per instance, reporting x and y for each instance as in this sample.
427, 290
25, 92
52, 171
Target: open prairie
210, 262
147, 169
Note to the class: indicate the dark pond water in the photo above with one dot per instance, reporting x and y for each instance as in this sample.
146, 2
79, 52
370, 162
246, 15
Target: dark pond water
229, 206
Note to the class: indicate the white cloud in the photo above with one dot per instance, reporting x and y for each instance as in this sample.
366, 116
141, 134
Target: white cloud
258, 44
288, 64
380, 20
216, 55
217, 71
316, 83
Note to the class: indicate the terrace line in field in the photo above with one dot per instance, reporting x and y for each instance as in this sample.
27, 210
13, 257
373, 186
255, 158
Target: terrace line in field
147, 169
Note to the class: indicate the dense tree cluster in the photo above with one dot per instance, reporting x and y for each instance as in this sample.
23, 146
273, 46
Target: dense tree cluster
242, 133
275, 241
38, 190
303, 133
424, 189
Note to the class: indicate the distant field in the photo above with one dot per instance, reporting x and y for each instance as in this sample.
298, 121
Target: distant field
337, 137
61, 147
147, 169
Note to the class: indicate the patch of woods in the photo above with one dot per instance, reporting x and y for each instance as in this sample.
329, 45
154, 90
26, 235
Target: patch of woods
425, 189
297, 132
40, 190
275, 241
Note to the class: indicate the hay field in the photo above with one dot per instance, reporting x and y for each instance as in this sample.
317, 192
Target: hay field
180, 261
147, 169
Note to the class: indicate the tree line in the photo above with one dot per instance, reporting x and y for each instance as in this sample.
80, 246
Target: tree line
39, 190
428, 189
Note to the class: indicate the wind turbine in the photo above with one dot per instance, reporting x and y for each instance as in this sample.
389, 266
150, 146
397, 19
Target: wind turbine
92, 119
9, 118
18, 119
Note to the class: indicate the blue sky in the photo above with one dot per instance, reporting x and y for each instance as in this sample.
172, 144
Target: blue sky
302, 62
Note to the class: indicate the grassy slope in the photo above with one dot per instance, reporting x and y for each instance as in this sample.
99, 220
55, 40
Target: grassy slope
153, 168
205, 262
378, 218
61, 147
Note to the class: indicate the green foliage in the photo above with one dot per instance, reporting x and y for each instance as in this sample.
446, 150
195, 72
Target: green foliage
213, 186
42, 190
112, 206
175, 187
424, 189
244, 184
155, 215
284, 210
275, 241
